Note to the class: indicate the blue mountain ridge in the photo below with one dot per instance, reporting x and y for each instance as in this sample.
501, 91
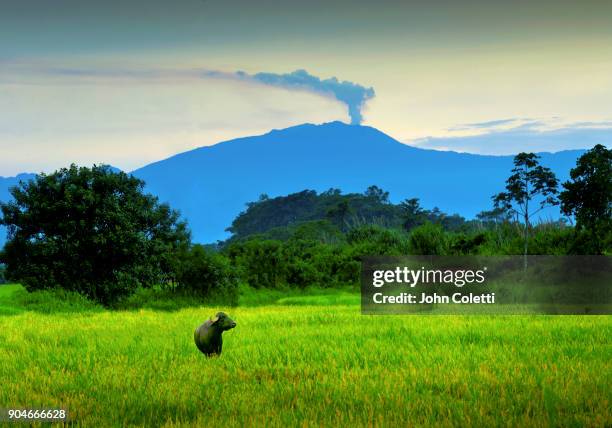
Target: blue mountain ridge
211, 185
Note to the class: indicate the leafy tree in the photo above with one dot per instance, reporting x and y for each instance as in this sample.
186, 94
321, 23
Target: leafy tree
588, 197
339, 213
332, 192
374, 240
452, 222
377, 194
92, 231
203, 272
412, 213
260, 263
529, 181
322, 231
428, 239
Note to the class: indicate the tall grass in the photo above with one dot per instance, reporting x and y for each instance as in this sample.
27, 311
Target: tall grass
308, 363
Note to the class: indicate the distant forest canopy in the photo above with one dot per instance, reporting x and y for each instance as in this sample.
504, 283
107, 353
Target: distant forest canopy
333, 212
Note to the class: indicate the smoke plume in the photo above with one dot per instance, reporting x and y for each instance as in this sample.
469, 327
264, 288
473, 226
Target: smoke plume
353, 95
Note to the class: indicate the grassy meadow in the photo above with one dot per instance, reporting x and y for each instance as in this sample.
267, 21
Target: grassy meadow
303, 360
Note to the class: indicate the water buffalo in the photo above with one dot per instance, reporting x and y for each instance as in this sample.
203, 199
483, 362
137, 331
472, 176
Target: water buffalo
208, 336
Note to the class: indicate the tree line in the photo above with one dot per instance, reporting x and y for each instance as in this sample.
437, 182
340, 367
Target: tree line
96, 232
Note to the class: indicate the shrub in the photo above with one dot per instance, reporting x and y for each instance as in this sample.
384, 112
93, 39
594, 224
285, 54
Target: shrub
377, 241
503, 239
463, 244
205, 273
428, 239
258, 262
549, 238
302, 274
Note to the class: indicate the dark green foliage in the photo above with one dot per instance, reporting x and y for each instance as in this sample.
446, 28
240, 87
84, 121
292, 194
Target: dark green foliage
377, 194
267, 214
339, 214
322, 231
375, 240
314, 263
203, 273
428, 239
328, 252
551, 238
463, 244
545, 238
452, 222
345, 212
303, 263
413, 214
279, 217
259, 262
3, 279
588, 197
89, 230
295, 262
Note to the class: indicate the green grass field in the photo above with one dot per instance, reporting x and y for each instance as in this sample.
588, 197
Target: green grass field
305, 361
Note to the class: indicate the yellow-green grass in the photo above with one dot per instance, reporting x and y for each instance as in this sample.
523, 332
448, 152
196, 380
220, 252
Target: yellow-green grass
308, 365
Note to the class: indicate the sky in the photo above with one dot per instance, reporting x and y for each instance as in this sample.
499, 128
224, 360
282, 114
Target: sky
129, 82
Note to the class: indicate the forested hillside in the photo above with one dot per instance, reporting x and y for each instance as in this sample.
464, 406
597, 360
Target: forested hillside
279, 217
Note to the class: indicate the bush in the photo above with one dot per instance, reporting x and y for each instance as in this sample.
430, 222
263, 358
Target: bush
503, 239
464, 244
377, 241
3, 279
206, 274
259, 262
428, 239
296, 263
311, 263
549, 238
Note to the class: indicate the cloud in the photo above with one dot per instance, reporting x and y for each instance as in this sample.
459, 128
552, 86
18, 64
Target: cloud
353, 95
493, 125
524, 138
519, 126
598, 125
489, 124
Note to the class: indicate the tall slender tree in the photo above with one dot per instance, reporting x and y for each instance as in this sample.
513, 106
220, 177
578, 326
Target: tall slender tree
529, 190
